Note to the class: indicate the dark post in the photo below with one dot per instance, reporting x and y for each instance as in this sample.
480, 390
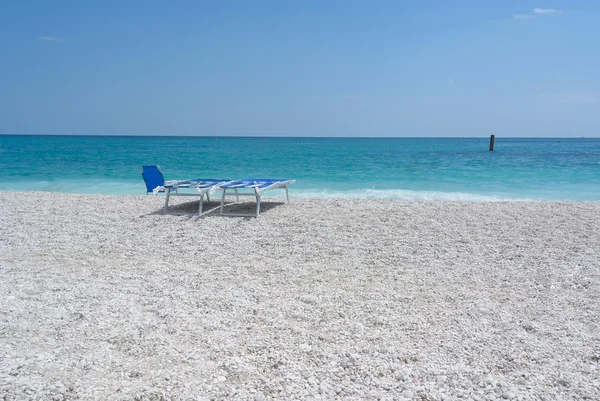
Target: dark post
492, 137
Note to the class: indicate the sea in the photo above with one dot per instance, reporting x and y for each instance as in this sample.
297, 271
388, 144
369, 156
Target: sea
383, 168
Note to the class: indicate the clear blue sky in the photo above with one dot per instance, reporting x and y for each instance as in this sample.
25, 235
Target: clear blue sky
304, 68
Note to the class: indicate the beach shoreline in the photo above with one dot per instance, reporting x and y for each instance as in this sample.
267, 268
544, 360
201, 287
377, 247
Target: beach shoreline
108, 297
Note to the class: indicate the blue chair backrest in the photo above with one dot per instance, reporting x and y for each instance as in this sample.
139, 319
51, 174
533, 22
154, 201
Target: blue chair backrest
153, 177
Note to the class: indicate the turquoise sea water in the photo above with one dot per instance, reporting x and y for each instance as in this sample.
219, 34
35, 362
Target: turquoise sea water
393, 168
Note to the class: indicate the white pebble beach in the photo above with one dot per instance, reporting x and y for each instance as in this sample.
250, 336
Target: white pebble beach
109, 298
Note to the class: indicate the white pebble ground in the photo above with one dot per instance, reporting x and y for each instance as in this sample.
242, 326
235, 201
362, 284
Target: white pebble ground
107, 298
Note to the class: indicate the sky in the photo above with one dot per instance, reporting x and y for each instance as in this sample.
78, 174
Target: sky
301, 68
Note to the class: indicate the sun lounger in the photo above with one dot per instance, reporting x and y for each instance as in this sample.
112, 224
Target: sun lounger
155, 183
258, 186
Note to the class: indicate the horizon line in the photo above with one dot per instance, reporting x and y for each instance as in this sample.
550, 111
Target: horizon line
309, 137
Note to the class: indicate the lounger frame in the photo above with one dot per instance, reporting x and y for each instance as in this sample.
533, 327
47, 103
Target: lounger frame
202, 187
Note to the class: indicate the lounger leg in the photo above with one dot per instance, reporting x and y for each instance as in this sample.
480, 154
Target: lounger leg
287, 195
222, 202
201, 203
237, 198
257, 204
168, 190
207, 197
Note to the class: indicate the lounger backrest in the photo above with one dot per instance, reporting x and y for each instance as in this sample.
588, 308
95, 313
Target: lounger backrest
153, 177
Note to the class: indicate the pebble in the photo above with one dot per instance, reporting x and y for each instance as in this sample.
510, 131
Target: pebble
305, 348
203, 347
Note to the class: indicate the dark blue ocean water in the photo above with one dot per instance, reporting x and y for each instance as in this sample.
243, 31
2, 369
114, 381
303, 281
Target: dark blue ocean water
394, 168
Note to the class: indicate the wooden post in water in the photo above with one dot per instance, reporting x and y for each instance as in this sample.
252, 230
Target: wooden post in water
492, 137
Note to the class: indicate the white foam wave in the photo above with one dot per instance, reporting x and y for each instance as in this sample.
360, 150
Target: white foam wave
77, 186
402, 194
137, 188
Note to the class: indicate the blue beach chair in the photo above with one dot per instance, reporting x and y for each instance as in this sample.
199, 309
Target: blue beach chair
258, 187
156, 183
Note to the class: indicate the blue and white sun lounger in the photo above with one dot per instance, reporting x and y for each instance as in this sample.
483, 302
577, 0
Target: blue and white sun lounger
258, 187
155, 183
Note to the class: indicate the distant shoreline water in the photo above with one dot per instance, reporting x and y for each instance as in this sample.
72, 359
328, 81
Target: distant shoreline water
384, 168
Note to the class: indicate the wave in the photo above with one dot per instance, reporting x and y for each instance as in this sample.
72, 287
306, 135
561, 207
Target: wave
130, 187
403, 194
94, 186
